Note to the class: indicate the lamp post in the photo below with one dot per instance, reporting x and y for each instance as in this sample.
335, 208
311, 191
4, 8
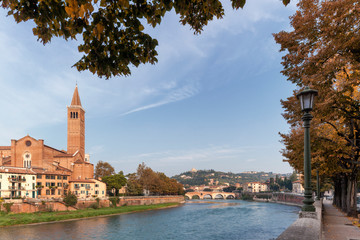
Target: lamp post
306, 98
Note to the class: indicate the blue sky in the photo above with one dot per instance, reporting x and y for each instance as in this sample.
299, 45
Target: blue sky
211, 102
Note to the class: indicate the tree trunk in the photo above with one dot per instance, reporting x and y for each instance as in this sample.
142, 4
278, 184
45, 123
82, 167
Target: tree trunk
337, 191
343, 193
351, 195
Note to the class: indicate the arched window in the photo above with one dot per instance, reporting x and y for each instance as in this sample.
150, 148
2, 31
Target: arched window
76, 115
27, 160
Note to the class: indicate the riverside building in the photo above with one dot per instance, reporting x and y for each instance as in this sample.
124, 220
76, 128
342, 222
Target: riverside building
56, 171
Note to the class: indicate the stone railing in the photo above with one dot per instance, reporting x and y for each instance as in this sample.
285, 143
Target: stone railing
308, 226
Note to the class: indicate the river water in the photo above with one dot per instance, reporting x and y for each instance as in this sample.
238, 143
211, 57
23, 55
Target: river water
213, 219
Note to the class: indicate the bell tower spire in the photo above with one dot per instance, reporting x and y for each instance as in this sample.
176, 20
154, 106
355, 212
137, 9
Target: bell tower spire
76, 125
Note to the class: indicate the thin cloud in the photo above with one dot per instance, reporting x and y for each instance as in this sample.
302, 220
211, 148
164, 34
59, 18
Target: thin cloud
185, 92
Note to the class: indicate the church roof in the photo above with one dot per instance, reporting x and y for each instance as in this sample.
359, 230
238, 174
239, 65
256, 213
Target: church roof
76, 98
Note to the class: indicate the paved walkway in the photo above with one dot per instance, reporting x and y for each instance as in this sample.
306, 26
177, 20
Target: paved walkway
336, 226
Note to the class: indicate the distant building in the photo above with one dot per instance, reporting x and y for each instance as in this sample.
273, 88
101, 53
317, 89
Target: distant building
193, 170
17, 182
297, 187
255, 187
54, 169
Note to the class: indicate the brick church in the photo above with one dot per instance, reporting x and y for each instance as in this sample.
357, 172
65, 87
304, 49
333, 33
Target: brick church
54, 169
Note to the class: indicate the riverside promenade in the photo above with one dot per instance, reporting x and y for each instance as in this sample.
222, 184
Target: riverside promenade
336, 226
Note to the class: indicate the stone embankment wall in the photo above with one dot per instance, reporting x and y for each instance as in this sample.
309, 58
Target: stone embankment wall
308, 226
150, 200
23, 206
287, 198
20, 206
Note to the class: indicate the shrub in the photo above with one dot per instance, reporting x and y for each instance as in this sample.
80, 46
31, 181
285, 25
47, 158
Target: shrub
94, 205
7, 206
114, 201
70, 199
246, 197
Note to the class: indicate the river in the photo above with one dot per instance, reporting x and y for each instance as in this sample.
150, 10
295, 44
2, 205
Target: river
213, 219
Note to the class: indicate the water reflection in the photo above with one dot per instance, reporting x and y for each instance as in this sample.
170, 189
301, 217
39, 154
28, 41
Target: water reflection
228, 219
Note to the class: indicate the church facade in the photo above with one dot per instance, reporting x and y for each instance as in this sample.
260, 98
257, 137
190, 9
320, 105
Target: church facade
57, 171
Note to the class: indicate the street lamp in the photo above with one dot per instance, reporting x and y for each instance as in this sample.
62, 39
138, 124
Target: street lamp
306, 98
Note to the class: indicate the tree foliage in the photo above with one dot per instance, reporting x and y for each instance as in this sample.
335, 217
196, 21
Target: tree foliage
103, 169
323, 52
115, 181
229, 189
156, 183
112, 32
70, 199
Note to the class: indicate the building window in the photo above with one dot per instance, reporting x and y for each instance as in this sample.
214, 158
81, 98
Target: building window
39, 176
96, 185
47, 177
59, 184
96, 192
47, 192
58, 177
38, 184
59, 192
82, 185
52, 176
102, 192
52, 191
33, 177
47, 184
64, 177
82, 192
53, 184
27, 160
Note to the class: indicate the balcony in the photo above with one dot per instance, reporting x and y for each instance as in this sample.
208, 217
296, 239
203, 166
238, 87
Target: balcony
16, 188
19, 179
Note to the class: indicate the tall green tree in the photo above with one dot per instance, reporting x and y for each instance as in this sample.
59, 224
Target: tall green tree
323, 52
103, 169
111, 32
115, 181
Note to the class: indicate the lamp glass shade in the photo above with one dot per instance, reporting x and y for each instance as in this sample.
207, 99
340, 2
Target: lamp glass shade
306, 98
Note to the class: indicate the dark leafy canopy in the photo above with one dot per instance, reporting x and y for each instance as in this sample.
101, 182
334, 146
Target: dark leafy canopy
112, 31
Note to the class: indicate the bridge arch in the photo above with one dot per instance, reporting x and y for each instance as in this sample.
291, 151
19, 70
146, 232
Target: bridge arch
230, 197
219, 196
207, 196
195, 197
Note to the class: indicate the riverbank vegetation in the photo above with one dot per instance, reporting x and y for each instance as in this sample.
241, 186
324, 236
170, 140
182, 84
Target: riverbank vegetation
38, 217
144, 182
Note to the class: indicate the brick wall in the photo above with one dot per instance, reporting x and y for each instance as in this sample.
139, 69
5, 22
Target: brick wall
29, 207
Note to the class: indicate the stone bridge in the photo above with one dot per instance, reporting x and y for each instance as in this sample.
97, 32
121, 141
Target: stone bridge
209, 195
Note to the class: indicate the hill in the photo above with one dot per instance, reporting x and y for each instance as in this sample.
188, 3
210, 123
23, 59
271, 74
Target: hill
212, 177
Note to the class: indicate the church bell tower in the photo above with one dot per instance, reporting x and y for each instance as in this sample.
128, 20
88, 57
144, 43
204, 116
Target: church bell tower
76, 126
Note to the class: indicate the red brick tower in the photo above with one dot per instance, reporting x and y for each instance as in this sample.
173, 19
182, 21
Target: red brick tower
76, 126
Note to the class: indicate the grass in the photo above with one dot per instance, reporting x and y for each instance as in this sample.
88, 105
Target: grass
38, 217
